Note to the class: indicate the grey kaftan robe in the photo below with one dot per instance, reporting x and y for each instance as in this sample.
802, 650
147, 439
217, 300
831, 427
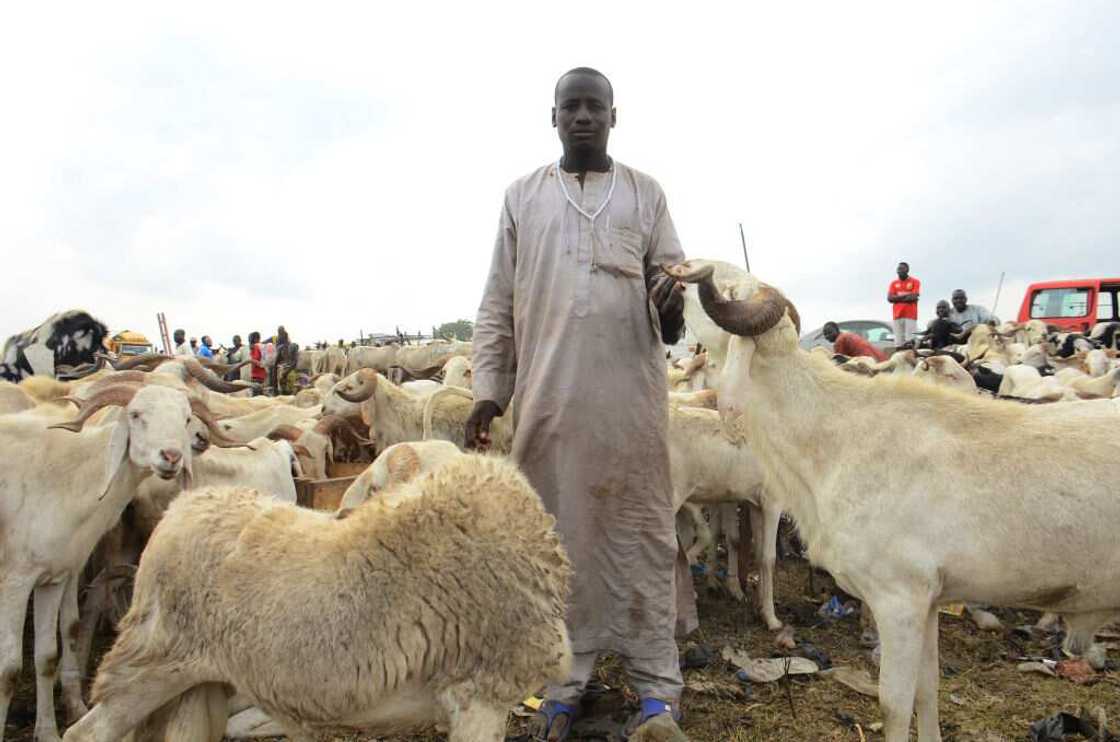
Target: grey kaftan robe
567, 332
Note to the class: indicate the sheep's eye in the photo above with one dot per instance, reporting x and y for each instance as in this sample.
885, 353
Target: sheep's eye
134, 415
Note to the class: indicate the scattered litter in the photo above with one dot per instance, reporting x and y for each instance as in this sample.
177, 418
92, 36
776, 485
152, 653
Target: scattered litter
533, 703
818, 656
875, 726
1055, 728
698, 657
698, 570
1077, 671
833, 608
954, 698
767, 670
858, 680
784, 639
984, 620
1097, 657
1046, 667
952, 609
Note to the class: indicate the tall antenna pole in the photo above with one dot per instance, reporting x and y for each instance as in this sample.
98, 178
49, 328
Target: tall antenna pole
999, 288
743, 239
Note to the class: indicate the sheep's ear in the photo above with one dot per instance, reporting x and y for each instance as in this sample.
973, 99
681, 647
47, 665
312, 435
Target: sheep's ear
118, 450
365, 413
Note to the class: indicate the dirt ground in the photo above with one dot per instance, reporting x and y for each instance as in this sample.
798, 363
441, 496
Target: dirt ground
982, 698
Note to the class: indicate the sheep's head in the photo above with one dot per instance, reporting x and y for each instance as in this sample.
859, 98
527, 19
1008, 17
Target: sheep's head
345, 398
761, 308
152, 432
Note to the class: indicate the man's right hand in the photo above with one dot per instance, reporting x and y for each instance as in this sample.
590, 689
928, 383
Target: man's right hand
478, 425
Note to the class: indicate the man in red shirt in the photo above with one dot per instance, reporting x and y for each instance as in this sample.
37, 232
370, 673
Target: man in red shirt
849, 343
903, 295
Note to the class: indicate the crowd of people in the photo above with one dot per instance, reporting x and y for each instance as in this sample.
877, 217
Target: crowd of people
954, 321
272, 361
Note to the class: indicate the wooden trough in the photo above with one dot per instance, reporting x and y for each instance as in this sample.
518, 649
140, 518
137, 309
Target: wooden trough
326, 494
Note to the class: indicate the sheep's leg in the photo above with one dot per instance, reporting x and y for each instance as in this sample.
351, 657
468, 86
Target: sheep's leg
729, 522
714, 530
48, 601
765, 546
477, 722
703, 533
902, 630
13, 609
929, 730
71, 672
686, 532
128, 699
1081, 630
94, 605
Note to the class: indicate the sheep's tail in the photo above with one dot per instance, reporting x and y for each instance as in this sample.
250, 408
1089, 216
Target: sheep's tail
429, 405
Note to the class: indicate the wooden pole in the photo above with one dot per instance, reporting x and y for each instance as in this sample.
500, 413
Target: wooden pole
743, 239
999, 288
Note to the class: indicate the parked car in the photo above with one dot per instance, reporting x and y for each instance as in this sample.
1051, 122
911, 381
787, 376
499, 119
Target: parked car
879, 334
1072, 305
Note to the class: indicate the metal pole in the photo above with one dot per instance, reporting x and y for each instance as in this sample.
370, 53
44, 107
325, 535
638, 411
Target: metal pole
999, 288
743, 239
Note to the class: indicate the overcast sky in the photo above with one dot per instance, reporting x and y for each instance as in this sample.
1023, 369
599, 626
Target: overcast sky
338, 167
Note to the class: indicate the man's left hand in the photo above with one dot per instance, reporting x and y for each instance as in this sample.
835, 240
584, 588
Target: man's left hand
668, 296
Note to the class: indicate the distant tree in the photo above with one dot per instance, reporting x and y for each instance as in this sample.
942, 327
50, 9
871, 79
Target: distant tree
462, 329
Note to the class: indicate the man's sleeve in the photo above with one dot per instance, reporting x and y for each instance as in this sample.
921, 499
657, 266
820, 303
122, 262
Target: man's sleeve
917, 287
495, 359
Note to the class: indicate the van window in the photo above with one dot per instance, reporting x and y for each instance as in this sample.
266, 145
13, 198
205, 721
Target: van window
1064, 302
1106, 304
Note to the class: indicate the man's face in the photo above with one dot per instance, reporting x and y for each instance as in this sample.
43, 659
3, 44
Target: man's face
943, 309
960, 300
584, 113
903, 271
206, 340
179, 335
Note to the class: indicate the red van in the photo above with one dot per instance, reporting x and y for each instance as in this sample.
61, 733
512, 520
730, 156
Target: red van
1072, 305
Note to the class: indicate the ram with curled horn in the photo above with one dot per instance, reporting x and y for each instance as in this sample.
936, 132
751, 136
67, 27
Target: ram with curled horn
145, 362
62, 488
896, 500
315, 446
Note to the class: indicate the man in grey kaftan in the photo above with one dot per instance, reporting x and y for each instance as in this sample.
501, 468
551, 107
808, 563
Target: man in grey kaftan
569, 337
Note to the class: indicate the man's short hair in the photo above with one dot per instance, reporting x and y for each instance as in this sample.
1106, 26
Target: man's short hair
959, 291
583, 71
903, 262
832, 325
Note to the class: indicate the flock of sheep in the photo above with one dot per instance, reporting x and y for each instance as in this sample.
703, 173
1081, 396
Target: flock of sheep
399, 609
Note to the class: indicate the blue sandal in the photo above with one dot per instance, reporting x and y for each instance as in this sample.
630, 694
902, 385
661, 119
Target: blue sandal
651, 707
546, 720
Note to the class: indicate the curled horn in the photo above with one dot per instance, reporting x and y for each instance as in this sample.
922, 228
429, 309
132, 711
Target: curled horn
222, 368
118, 395
117, 377
208, 379
217, 435
747, 317
147, 362
285, 432
368, 378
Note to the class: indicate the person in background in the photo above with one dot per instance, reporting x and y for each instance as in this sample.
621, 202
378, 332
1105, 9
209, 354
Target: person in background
194, 346
236, 354
180, 342
204, 350
258, 374
903, 295
941, 331
850, 344
287, 356
969, 315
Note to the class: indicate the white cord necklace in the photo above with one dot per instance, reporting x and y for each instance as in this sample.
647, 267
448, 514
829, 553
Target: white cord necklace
598, 211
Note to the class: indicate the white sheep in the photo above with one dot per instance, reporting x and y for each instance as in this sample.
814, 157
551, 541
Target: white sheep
60, 492
448, 608
908, 523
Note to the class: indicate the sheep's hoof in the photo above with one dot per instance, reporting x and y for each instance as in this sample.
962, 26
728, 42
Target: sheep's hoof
732, 585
